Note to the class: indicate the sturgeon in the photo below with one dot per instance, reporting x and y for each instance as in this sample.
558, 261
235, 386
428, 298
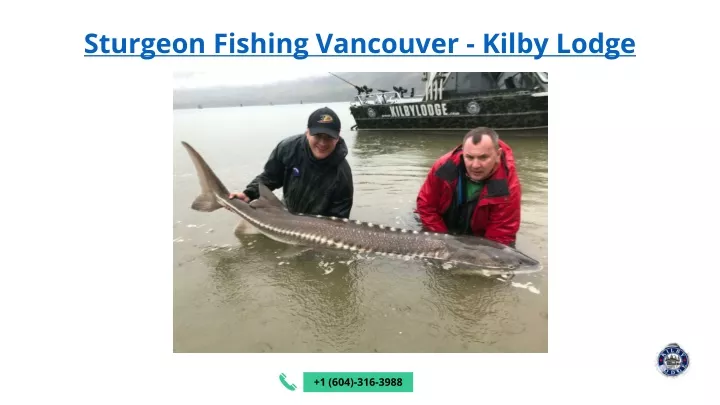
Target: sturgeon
270, 216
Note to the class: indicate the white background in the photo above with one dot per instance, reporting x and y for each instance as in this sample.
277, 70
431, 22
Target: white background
86, 290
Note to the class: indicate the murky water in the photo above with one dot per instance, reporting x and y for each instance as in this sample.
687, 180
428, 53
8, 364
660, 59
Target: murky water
247, 293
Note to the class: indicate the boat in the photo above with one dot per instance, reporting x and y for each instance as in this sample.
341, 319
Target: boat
457, 100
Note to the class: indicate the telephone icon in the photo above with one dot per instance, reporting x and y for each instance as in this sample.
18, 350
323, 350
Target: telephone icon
291, 387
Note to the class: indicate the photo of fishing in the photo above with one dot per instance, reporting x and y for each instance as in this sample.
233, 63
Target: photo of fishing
370, 212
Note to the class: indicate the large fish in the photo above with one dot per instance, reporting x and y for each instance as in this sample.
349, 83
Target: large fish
272, 218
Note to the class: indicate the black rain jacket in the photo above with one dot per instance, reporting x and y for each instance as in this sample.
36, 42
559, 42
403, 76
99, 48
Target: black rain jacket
310, 186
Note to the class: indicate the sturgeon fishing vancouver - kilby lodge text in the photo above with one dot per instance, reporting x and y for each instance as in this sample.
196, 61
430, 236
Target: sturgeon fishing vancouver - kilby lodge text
473, 255
498, 43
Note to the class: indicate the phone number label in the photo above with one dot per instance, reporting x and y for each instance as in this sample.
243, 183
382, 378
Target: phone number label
357, 382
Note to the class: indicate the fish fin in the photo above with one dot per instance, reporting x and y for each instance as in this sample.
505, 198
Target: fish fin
269, 197
206, 202
294, 251
210, 184
260, 203
245, 228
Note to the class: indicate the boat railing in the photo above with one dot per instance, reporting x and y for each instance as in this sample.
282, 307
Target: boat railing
388, 97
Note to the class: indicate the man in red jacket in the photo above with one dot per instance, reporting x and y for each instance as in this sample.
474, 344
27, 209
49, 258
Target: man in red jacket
473, 190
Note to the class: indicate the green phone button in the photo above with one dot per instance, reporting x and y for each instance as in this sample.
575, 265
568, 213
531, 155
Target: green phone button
357, 382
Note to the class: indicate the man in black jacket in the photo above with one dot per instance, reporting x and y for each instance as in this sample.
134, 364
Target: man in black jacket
311, 168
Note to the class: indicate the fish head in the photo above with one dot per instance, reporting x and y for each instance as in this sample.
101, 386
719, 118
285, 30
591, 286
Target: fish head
485, 254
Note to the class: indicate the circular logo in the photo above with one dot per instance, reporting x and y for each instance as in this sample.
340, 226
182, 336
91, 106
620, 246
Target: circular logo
371, 113
473, 107
673, 360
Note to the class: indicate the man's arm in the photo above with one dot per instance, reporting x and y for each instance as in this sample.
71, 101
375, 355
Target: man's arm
342, 201
428, 204
504, 222
272, 175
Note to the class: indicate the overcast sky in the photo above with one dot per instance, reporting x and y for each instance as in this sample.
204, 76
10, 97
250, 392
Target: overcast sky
187, 79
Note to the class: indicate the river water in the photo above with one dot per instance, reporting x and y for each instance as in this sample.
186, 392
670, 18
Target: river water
246, 293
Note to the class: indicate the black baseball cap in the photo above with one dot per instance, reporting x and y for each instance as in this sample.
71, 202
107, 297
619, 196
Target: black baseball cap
324, 121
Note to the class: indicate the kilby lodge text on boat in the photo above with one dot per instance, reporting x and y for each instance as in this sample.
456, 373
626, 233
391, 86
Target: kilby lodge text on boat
458, 100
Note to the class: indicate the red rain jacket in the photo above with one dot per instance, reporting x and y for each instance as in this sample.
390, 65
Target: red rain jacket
497, 213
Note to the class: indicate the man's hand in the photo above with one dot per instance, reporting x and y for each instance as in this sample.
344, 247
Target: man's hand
240, 196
